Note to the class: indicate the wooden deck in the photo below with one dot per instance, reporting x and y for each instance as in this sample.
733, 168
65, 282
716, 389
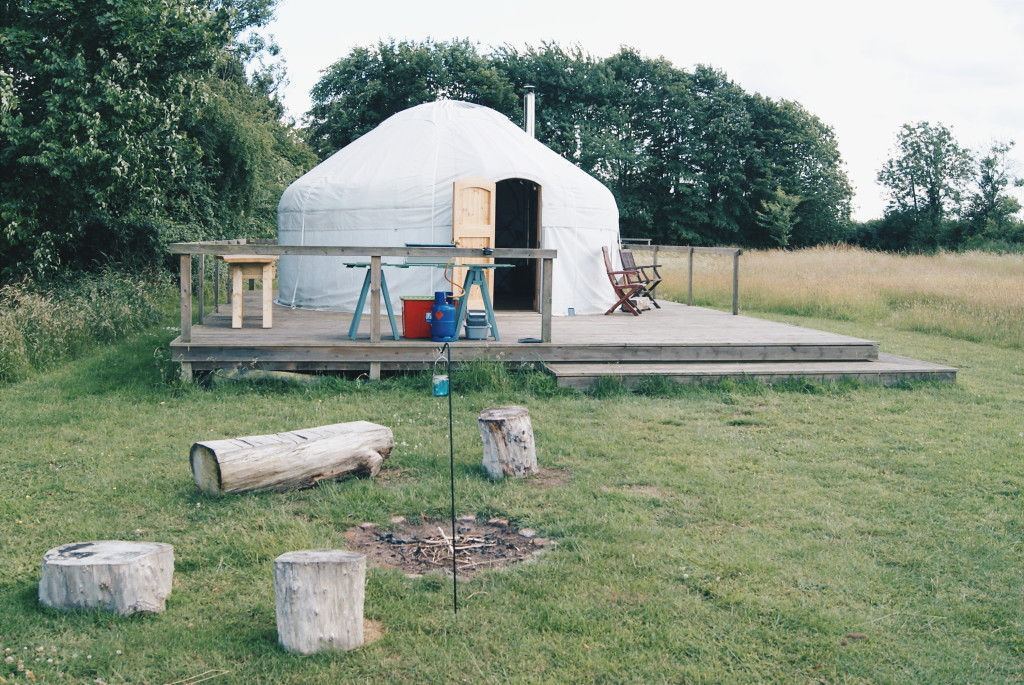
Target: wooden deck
681, 343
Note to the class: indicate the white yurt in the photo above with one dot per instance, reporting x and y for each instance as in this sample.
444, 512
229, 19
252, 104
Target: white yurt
393, 187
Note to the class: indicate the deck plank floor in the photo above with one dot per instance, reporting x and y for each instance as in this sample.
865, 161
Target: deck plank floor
675, 334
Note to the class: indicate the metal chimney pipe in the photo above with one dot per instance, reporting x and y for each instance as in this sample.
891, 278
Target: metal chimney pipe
530, 105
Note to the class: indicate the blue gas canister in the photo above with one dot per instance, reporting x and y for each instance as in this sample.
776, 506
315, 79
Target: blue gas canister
442, 319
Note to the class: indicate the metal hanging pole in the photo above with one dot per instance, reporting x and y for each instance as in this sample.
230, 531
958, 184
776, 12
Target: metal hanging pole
447, 349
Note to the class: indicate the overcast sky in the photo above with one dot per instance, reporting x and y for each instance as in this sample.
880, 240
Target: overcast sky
864, 67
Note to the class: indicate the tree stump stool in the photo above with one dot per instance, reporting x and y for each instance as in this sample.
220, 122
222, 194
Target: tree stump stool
319, 599
112, 575
509, 449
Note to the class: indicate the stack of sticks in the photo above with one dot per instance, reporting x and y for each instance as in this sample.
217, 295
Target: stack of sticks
439, 550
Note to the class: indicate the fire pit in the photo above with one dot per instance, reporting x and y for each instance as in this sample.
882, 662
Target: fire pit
427, 546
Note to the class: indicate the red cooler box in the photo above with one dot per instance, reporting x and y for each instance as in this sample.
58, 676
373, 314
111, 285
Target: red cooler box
414, 316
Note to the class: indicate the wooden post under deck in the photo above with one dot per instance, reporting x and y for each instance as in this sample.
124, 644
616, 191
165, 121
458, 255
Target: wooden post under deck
375, 311
216, 285
186, 297
736, 282
689, 279
547, 270
202, 287
185, 262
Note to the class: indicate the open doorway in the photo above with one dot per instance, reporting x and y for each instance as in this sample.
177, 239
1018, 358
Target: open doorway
517, 224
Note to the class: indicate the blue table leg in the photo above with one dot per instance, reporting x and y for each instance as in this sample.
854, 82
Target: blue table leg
488, 306
460, 311
387, 303
353, 329
475, 276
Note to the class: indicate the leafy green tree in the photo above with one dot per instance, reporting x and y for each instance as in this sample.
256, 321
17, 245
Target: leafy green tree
361, 90
796, 154
990, 210
926, 180
690, 157
94, 139
654, 101
631, 122
779, 217
573, 91
721, 140
615, 118
248, 158
115, 132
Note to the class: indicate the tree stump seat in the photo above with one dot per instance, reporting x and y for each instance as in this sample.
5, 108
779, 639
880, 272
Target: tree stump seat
112, 575
509, 448
318, 595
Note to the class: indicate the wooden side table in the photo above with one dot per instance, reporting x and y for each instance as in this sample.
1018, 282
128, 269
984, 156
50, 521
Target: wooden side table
253, 266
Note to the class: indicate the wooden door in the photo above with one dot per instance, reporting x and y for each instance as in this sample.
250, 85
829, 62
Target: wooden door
473, 210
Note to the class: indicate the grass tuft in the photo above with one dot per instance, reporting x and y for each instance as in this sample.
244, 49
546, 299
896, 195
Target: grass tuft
608, 387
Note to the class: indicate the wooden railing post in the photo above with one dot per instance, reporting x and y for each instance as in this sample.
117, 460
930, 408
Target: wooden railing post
202, 287
216, 284
375, 298
736, 282
375, 311
185, 262
689, 279
547, 271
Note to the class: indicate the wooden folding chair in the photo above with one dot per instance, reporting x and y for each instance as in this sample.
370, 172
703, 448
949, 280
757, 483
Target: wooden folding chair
647, 275
620, 283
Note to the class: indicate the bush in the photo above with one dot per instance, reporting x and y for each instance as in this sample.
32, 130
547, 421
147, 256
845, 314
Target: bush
41, 326
14, 363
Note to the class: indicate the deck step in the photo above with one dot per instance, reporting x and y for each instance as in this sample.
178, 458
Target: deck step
888, 369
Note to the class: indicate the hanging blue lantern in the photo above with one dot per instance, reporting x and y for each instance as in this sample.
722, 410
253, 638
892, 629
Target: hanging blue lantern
441, 386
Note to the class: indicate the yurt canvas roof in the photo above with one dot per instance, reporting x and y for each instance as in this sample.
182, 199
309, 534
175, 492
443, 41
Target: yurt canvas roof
393, 186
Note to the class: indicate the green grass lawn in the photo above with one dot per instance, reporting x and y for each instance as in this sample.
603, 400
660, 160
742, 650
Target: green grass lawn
735, 533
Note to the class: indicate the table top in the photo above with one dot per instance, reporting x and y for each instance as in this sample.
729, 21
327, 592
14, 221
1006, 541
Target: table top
250, 258
438, 265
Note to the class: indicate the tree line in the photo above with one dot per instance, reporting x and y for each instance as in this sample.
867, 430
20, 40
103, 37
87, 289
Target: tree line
690, 157
129, 124
942, 195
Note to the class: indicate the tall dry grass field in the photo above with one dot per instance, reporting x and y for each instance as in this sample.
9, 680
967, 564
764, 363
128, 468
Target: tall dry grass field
972, 296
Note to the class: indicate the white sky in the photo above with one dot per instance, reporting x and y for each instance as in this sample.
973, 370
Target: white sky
864, 67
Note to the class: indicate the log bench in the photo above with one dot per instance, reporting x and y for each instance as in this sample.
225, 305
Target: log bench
292, 460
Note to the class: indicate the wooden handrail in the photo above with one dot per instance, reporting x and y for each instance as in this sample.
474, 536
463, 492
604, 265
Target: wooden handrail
690, 251
232, 247
242, 246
